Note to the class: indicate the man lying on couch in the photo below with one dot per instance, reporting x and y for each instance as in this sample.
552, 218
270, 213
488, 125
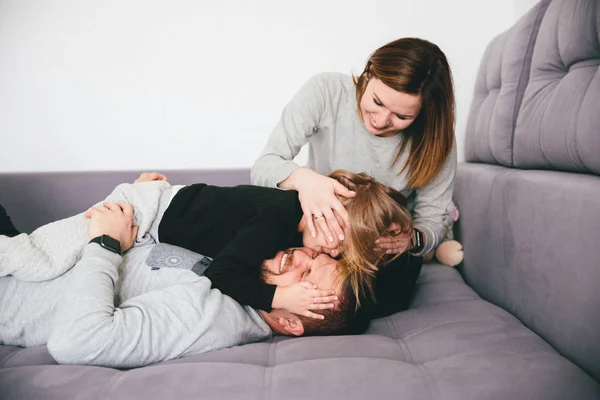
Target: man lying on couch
150, 305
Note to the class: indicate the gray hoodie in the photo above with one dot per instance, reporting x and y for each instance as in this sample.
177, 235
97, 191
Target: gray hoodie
145, 307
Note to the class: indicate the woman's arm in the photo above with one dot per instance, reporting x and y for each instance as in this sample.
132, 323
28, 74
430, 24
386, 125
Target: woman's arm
431, 204
299, 121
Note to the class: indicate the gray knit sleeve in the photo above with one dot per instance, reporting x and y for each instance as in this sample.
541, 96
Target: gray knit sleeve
156, 326
432, 201
299, 121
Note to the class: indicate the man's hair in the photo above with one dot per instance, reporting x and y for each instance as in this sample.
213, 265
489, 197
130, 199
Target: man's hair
345, 319
371, 212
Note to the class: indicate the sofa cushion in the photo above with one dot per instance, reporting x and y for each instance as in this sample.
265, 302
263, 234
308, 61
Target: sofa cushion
557, 127
450, 345
499, 88
531, 247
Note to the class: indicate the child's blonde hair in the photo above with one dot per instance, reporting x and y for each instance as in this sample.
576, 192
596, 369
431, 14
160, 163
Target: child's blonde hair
371, 212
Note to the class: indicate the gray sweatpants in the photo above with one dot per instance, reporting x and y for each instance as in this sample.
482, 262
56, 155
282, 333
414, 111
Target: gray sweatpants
53, 249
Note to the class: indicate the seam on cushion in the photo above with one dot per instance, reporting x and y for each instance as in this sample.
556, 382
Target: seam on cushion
510, 349
489, 142
503, 215
455, 322
489, 133
11, 356
477, 300
401, 343
502, 180
577, 147
267, 383
106, 389
525, 73
557, 22
541, 126
272, 354
433, 388
405, 350
584, 63
550, 76
486, 94
390, 325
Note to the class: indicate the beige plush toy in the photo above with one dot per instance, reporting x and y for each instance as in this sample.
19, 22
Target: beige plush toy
450, 251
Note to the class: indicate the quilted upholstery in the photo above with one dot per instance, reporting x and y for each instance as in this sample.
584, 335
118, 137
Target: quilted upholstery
558, 125
450, 345
499, 88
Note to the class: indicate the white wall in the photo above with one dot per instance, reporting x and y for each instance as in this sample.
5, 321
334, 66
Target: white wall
149, 84
522, 6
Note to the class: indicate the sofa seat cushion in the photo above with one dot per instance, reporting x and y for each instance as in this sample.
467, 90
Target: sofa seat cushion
451, 344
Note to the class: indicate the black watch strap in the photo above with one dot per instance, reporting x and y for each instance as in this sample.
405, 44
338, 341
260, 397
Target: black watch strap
108, 243
419, 242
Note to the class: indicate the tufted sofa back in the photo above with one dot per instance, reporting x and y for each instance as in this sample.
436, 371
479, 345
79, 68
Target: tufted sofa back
529, 193
558, 125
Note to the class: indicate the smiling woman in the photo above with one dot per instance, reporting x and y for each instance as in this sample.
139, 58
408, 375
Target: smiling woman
394, 121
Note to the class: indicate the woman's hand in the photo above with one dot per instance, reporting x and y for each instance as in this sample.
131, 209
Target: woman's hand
322, 209
301, 297
395, 242
150, 176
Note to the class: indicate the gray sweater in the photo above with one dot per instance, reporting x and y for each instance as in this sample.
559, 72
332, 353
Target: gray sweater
130, 311
324, 115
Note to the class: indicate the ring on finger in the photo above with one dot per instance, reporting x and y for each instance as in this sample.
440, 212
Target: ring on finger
319, 216
314, 300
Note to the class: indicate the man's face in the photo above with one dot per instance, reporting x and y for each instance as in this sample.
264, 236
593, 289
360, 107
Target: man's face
301, 265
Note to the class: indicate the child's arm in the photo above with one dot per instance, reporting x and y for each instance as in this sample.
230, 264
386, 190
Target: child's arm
235, 270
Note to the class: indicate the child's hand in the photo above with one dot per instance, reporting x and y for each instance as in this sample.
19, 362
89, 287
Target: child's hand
150, 176
301, 297
395, 242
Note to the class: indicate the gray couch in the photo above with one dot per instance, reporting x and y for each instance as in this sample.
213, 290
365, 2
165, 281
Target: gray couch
518, 320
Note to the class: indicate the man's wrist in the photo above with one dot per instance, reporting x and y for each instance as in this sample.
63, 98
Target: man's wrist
108, 243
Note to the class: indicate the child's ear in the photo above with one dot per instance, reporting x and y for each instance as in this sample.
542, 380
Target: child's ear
292, 324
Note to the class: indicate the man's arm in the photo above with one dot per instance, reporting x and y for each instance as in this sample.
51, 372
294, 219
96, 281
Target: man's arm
156, 326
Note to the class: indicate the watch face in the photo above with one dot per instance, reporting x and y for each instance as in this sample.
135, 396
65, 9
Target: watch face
419, 241
111, 243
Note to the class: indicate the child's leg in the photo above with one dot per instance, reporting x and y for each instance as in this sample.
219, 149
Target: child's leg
54, 248
6, 226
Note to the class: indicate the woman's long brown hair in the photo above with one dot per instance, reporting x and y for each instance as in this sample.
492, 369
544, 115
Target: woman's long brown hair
416, 66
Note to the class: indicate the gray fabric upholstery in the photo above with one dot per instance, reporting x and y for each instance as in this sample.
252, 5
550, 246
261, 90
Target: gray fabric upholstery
499, 88
56, 195
450, 345
531, 237
559, 124
531, 247
531, 251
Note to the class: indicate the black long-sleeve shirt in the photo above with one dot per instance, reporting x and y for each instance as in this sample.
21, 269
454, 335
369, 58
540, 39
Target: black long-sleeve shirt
6, 226
241, 226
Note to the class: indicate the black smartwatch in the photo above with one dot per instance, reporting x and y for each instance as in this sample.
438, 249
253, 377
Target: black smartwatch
419, 242
108, 243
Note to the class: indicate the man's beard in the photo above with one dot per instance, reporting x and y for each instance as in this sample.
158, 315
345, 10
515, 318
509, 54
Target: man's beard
266, 273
